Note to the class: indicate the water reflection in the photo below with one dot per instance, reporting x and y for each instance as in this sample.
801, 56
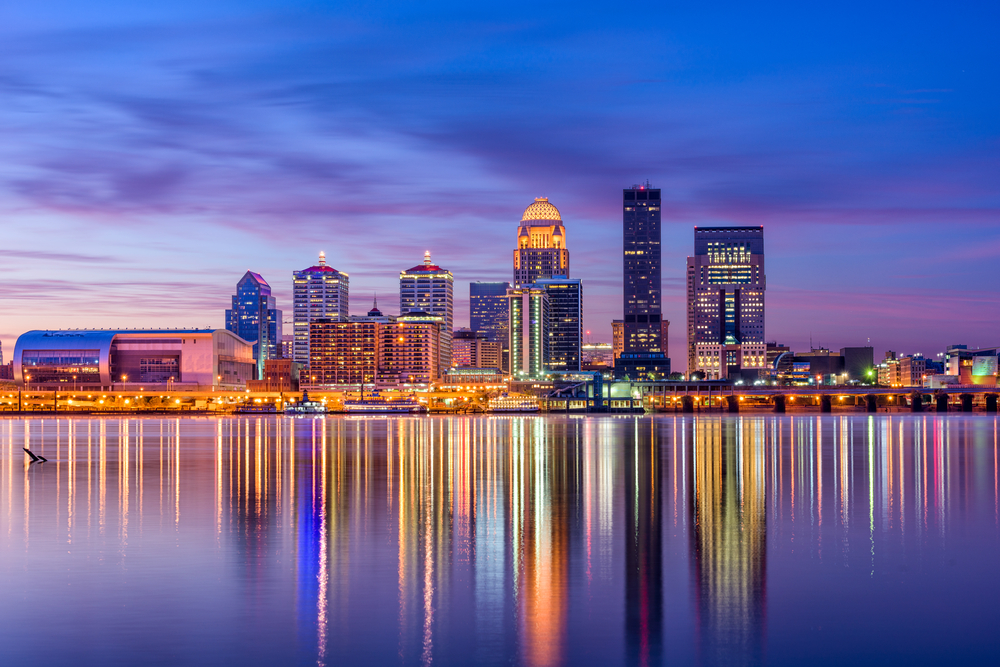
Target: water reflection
538, 541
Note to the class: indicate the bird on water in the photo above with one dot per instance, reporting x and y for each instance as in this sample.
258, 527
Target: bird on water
34, 457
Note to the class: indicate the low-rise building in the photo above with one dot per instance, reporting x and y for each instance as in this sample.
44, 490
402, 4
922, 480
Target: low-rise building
133, 358
279, 375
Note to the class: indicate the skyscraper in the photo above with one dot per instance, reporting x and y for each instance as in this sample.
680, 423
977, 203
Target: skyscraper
541, 244
642, 356
725, 301
641, 268
430, 289
255, 318
488, 310
320, 291
565, 325
529, 330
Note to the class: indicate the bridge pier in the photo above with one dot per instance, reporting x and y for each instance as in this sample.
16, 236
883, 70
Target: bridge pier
733, 403
966, 402
687, 404
941, 402
871, 403
916, 401
991, 402
779, 403
825, 403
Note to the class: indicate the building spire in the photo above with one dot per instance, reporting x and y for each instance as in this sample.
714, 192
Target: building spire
374, 301
322, 258
427, 258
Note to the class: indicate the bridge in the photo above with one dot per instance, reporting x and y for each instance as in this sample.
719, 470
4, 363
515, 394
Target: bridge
689, 396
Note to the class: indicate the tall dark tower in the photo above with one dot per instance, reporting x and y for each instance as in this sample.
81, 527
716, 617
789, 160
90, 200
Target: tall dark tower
642, 354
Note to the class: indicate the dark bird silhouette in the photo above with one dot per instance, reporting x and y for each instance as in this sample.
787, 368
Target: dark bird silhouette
34, 458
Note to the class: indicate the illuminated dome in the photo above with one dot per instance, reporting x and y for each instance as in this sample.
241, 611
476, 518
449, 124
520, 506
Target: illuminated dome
541, 210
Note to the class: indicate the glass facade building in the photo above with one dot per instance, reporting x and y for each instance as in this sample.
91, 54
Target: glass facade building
641, 269
255, 318
488, 310
638, 337
565, 326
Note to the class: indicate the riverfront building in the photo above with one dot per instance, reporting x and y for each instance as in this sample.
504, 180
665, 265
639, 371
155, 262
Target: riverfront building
195, 359
346, 351
541, 244
725, 302
255, 317
409, 351
320, 291
429, 289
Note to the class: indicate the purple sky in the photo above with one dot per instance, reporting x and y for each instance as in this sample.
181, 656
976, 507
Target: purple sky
152, 154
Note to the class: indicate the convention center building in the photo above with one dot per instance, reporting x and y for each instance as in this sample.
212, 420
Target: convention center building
127, 359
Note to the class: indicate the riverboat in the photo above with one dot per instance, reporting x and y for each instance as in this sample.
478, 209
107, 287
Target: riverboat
375, 404
257, 409
505, 403
305, 407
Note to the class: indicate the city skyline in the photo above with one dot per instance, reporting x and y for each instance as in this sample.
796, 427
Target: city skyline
136, 145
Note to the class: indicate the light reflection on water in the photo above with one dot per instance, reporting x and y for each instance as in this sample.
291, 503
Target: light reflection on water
497, 540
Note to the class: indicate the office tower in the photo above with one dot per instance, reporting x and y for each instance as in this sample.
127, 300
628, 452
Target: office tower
409, 352
529, 331
472, 349
255, 318
541, 244
488, 310
319, 291
642, 355
641, 268
725, 302
430, 289
565, 324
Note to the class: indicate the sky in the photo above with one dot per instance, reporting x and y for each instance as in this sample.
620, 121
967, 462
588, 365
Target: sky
151, 153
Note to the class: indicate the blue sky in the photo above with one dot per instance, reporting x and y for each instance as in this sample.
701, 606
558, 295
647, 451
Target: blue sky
152, 154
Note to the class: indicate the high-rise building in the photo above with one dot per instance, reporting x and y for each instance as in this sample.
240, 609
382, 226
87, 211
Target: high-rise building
541, 244
529, 331
255, 318
320, 291
472, 349
409, 352
725, 301
641, 268
565, 326
488, 310
430, 289
642, 354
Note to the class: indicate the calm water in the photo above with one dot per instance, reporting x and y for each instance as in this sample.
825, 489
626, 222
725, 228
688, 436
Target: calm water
501, 540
